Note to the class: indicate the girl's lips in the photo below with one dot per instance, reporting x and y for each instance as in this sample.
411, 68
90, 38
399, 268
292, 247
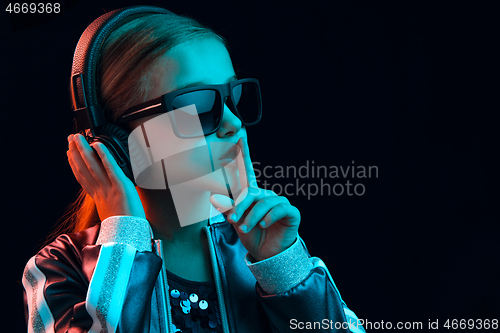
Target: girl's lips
229, 155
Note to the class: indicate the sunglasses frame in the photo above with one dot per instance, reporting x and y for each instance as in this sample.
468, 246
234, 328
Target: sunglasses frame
163, 104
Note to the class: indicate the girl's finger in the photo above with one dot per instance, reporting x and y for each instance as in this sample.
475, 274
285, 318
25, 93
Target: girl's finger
78, 176
79, 167
113, 170
245, 167
94, 165
247, 197
279, 212
221, 202
259, 211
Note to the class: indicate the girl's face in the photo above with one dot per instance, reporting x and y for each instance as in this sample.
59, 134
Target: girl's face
192, 161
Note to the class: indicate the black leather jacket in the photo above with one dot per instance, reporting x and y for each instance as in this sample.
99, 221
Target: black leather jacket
80, 283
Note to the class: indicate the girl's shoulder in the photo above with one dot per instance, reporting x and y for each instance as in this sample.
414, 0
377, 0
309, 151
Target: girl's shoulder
70, 244
65, 256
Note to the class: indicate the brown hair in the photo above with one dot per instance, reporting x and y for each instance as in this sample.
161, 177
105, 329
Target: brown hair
125, 68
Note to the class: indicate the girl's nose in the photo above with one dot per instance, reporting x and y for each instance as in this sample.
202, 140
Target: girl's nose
231, 124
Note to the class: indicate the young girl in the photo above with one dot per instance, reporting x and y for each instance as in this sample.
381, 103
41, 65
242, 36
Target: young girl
150, 254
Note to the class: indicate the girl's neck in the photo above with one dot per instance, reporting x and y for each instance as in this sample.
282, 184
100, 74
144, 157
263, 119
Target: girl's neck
181, 244
179, 219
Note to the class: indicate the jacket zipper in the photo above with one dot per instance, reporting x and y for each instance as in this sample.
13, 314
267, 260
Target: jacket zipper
218, 284
164, 291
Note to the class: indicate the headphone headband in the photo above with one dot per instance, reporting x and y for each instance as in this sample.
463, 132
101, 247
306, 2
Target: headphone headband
88, 113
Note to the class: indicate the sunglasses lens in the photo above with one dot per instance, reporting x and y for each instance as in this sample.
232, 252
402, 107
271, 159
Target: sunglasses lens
198, 113
246, 97
197, 122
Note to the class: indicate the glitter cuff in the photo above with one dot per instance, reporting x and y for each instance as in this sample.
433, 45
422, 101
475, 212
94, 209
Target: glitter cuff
281, 272
131, 230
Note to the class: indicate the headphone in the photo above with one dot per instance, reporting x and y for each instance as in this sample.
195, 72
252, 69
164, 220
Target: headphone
89, 115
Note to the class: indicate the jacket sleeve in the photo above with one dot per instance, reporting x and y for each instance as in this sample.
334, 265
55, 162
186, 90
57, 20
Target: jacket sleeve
104, 287
298, 292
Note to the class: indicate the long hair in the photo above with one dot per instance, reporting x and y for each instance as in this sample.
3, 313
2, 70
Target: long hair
127, 63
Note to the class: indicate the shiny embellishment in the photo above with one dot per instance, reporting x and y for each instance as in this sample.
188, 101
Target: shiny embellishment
108, 285
282, 271
187, 314
175, 293
131, 230
203, 304
193, 298
36, 319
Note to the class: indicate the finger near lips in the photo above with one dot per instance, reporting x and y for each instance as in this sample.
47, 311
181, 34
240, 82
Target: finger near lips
247, 177
252, 182
241, 166
250, 194
245, 167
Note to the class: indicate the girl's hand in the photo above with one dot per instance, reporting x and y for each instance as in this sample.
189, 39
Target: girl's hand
102, 178
266, 223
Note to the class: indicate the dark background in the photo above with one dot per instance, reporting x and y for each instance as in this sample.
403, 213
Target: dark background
405, 86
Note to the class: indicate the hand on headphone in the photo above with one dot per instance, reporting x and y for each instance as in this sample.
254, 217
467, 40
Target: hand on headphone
102, 178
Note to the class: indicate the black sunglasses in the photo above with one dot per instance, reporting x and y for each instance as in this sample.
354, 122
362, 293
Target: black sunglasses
203, 105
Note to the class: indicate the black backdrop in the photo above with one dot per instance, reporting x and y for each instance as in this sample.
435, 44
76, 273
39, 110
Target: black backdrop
404, 86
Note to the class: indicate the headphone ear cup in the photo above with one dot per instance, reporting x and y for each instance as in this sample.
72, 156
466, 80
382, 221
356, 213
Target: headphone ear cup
115, 138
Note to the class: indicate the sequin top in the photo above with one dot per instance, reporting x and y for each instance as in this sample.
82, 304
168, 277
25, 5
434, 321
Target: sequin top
194, 305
